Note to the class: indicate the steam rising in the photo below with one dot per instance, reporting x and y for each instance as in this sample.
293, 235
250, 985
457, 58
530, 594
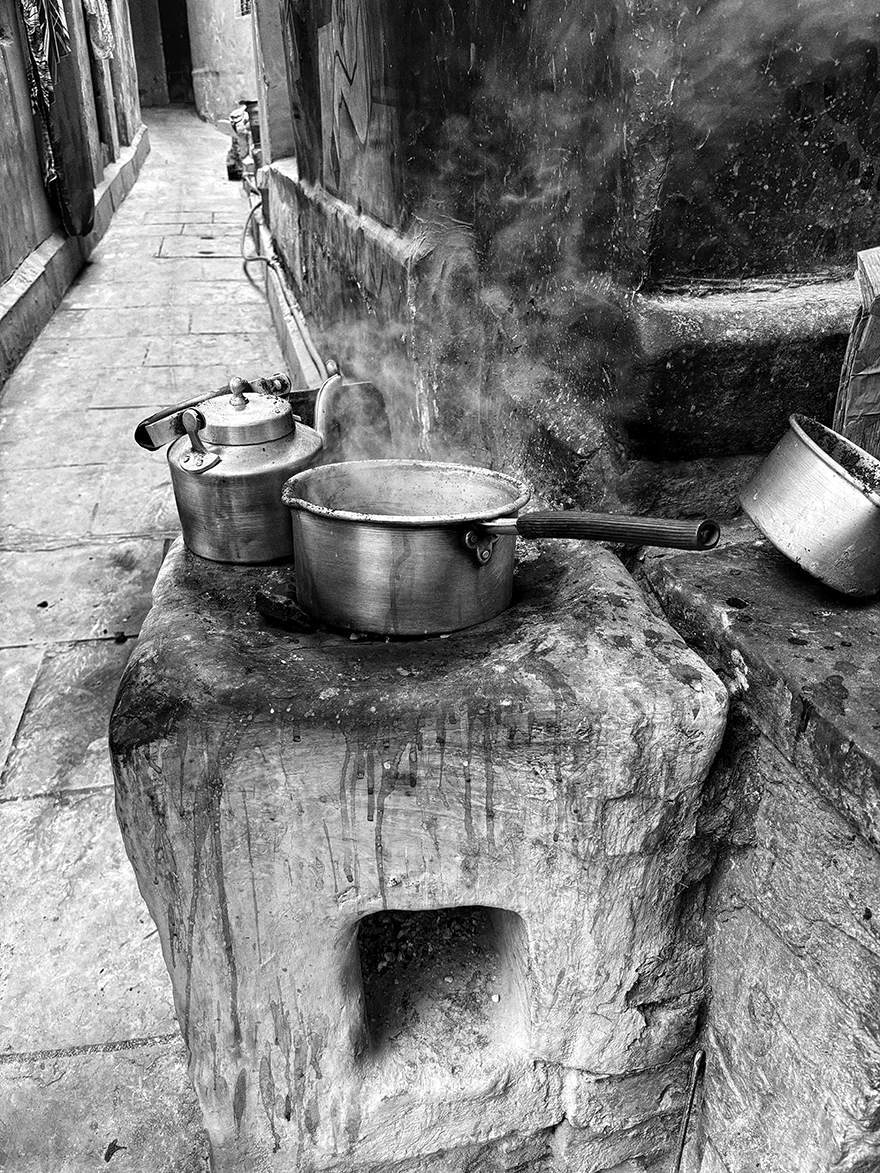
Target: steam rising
557, 158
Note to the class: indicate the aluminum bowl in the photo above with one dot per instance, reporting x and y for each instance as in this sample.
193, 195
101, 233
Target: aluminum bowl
817, 498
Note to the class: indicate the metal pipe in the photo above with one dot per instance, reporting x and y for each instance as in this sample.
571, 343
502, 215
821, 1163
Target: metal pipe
696, 1071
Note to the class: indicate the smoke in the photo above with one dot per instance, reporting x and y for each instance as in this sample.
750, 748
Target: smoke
555, 158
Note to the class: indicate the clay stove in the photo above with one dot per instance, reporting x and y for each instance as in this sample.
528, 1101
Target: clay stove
426, 904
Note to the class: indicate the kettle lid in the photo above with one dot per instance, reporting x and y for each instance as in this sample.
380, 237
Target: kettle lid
241, 418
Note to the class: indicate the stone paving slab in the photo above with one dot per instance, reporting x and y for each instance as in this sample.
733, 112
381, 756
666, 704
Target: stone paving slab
101, 436
18, 671
206, 293
90, 292
30, 516
70, 903
148, 389
57, 383
101, 500
213, 231
61, 737
44, 380
173, 270
241, 352
134, 229
65, 1113
87, 592
121, 245
248, 318
119, 322
154, 291
200, 246
138, 500
166, 216
81, 355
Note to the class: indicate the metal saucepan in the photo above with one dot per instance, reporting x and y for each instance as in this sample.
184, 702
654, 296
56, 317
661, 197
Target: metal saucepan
817, 498
410, 547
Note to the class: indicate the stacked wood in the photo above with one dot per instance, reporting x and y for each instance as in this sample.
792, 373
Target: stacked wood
857, 411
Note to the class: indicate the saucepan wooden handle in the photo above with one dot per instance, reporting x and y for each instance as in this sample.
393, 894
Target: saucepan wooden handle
692, 534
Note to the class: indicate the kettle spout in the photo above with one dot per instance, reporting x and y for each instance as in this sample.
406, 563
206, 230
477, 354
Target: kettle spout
352, 419
327, 402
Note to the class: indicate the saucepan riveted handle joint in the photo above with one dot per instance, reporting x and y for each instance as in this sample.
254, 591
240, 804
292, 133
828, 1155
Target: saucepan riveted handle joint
691, 534
481, 542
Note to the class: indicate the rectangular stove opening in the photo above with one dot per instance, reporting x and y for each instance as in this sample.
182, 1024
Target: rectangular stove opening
449, 984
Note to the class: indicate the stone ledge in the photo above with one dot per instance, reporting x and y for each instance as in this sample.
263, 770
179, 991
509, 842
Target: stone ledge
752, 314
30, 296
799, 657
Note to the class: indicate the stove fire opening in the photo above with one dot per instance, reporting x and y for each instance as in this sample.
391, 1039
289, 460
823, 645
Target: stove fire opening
449, 982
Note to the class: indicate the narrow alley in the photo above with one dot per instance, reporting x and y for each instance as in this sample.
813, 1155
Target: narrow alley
91, 1060
486, 776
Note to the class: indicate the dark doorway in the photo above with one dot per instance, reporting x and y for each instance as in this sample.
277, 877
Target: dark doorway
178, 57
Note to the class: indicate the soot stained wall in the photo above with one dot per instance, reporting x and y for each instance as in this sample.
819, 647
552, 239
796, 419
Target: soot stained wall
484, 194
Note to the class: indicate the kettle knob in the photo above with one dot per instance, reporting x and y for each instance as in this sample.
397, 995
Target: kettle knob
237, 386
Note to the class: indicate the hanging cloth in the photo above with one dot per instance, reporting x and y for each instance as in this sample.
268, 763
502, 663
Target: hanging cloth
56, 98
48, 40
100, 28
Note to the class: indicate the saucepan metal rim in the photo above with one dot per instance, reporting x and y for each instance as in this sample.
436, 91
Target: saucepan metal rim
417, 521
818, 450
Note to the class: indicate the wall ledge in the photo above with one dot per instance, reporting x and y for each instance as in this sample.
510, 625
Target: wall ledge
31, 294
799, 658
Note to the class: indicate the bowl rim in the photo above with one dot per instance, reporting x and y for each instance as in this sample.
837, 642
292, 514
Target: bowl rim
795, 424
410, 521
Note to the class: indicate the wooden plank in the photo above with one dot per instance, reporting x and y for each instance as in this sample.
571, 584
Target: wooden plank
857, 408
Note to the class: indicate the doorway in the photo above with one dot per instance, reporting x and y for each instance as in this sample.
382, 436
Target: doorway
178, 57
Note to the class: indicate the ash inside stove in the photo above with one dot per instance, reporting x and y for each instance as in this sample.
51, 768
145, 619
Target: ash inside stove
449, 982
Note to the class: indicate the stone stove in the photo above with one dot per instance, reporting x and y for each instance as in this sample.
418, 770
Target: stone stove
501, 822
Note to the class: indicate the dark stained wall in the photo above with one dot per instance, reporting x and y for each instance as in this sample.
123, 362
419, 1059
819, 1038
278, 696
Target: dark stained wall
484, 191
96, 114
146, 30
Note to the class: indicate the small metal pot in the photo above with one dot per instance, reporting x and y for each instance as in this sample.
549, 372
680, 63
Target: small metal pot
817, 498
409, 547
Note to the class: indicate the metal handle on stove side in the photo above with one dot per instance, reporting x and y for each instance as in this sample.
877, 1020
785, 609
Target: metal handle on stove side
694, 534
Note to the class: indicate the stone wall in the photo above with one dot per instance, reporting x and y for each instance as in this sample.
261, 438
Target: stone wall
98, 142
28, 217
791, 1030
146, 30
223, 70
793, 1025
610, 246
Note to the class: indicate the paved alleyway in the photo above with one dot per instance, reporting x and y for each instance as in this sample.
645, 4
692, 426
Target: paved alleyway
92, 1072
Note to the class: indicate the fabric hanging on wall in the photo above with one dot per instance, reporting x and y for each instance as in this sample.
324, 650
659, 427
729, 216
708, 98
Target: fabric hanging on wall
56, 98
100, 28
48, 40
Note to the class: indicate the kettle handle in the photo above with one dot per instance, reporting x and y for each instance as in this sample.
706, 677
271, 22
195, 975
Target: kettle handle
198, 459
166, 425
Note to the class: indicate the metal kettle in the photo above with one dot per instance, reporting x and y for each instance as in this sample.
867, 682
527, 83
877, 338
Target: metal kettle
233, 449
233, 452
